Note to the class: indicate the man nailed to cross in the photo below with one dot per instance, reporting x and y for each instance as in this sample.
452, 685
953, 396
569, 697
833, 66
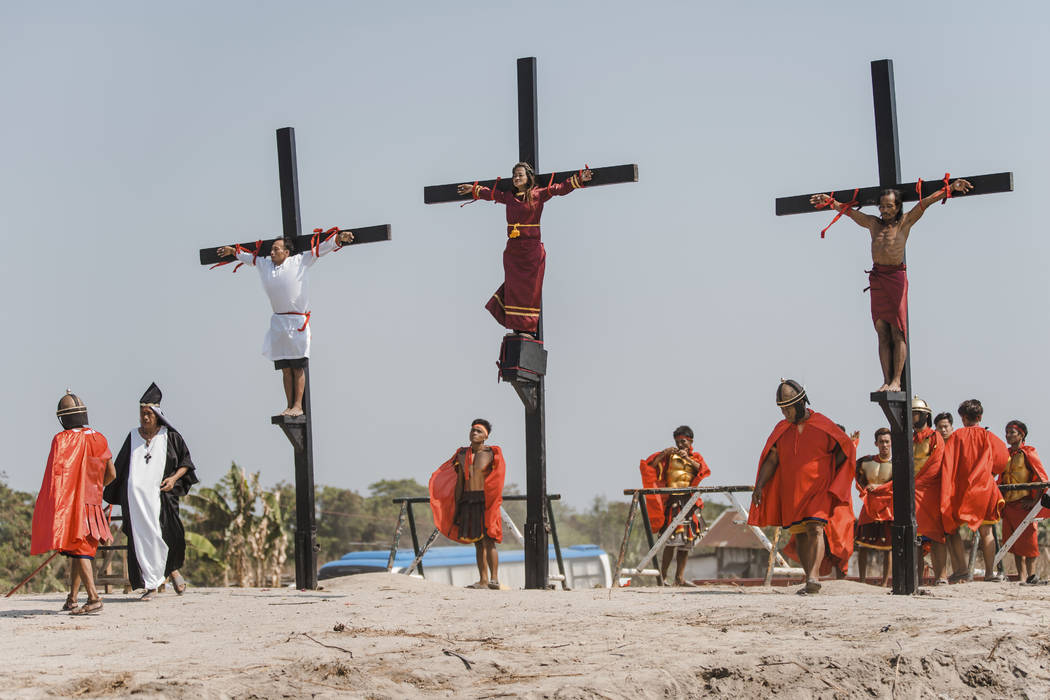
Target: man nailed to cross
888, 276
283, 277
516, 304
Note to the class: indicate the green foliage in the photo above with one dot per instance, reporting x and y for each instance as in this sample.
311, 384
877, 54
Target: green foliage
16, 525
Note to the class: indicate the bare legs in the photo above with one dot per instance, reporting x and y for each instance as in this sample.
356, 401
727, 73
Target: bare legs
1025, 567
893, 351
939, 559
294, 387
811, 553
987, 549
680, 555
487, 558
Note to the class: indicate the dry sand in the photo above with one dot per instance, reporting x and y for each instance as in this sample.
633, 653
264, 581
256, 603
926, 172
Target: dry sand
390, 636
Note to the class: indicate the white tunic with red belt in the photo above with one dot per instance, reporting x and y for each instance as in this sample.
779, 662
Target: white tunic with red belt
285, 284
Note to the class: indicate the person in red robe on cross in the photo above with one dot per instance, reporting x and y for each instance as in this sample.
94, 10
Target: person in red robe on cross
516, 304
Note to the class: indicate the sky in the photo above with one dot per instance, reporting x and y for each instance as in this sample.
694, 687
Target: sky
138, 133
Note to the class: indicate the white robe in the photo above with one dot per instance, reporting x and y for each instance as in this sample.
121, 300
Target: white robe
144, 505
286, 286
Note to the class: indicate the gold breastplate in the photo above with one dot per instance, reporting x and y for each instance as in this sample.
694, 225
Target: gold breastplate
1016, 473
680, 473
877, 473
922, 453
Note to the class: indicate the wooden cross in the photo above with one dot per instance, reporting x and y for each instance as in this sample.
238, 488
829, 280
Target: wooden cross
298, 429
530, 389
896, 405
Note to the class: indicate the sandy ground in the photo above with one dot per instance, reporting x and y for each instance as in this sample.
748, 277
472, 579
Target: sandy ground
390, 636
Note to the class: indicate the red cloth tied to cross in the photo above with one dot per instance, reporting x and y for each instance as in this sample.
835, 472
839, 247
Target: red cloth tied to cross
316, 242
845, 207
239, 249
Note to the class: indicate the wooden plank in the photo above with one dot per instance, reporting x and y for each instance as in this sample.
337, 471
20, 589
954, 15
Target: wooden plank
869, 196
609, 175
365, 234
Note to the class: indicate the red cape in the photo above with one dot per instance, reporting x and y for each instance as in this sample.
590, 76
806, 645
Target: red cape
443, 484
68, 508
1031, 458
969, 495
928, 516
774, 511
655, 478
875, 505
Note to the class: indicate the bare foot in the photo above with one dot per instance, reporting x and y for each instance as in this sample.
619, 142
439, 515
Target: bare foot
884, 387
294, 412
895, 386
687, 584
478, 584
285, 412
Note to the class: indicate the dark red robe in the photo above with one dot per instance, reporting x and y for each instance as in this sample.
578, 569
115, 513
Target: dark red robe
446, 486
889, 295
807, 484
516, 304
1027, 545
969, 495
68, 515
655, 477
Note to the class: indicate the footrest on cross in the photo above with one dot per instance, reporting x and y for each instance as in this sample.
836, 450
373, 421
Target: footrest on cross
294, 428
521, 359
884, 396
281, 419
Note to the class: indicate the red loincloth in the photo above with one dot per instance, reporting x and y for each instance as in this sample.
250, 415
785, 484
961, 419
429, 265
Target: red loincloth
656, 478
807, 484
68, 515
446, 486
969, 494
928, 516
889, 295
516, 304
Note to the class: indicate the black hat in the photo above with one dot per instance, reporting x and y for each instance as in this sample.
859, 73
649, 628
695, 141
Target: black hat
151, 397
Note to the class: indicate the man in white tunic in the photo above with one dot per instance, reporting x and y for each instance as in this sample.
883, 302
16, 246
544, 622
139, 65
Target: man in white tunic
283, 276
154, 470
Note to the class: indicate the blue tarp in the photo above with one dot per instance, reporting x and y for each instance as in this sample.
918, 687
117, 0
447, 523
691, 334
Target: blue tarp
452, 556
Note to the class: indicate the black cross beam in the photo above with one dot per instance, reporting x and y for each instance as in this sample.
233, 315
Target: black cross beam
531, 389
298, 429
907, 558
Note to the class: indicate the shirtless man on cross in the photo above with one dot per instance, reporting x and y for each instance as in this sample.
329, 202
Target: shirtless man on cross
888, 277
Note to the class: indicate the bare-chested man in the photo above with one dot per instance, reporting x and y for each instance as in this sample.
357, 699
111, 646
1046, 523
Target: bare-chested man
466, 493
888, 277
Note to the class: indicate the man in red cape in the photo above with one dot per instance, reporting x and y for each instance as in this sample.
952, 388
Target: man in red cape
969, 495
888, 276
466, 494
1025, 467
805, 476
928, 449
875, 484
674, 467
68, 514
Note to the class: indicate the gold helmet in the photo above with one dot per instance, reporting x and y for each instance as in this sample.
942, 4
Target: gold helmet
918, 404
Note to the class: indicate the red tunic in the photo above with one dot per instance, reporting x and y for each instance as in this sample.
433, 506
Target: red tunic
877, 504
445, 483
889, 295
68, 515
516, 304
807, 484
928, 516
656, 478
969, 494
1014, 513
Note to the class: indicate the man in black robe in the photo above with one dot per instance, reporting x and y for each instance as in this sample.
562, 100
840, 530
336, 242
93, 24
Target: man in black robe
154, 470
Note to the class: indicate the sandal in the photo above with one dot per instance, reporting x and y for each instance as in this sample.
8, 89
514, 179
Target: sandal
960, 577
178, 583
150, 594
92, 606
70, 604
494, 585
995, 578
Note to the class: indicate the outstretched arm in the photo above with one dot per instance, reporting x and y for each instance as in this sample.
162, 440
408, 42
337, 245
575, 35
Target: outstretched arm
229, 251
862, 219
573, 182
919, 209
482, 192
765, 473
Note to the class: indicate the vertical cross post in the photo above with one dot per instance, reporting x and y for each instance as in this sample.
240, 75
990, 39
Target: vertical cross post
299, 429
536, 525
897, 405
